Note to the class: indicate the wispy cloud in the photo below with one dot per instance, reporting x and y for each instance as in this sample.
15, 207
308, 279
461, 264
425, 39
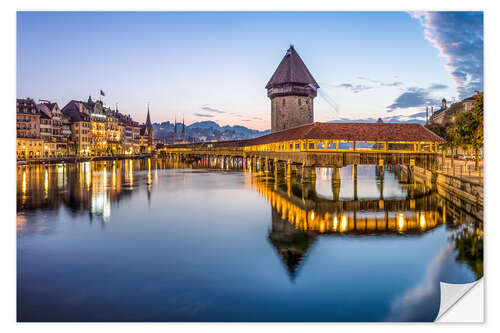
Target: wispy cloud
414, 118
355, 88
459, 38
204, 115
208, 108
382, 83
412, 97
438, 86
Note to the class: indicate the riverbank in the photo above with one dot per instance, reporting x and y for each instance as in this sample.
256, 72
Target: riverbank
461, 191
75, 159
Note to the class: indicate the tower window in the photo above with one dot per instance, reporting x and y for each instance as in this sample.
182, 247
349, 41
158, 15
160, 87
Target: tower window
283, 102
300, 102
307, 101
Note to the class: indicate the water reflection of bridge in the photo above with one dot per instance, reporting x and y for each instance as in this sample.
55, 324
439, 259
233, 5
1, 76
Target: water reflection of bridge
408, 216
298, 220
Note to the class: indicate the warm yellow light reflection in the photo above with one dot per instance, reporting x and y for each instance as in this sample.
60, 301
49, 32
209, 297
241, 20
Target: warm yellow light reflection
318, 220
46, 184
113, 175
131, 173
105, 178
401, 221
24, 182
87, 173
343, 225
422, 221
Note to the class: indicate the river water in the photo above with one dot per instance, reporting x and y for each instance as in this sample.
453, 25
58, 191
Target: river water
145, 240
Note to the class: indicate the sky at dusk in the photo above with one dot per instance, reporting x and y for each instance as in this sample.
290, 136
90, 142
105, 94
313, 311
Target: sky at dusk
214, 66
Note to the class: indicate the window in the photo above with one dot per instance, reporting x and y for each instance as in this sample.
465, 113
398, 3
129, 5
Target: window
283, 102
300, 102
400, 146
311, 145
345, 145
425, 147
369, 145
297, 146
321, 145
307, 101
331, 145
304, 145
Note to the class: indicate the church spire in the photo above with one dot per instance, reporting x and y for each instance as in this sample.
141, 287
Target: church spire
148, 119
183, 127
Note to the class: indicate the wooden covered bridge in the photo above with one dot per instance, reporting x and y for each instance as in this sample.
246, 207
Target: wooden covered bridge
334, 145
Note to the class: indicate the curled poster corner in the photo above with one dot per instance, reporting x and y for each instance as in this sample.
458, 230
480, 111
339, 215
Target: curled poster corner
455, 306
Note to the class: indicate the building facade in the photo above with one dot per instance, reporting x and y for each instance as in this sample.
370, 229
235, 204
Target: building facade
78, 129
29, 142
292, 90
81, 128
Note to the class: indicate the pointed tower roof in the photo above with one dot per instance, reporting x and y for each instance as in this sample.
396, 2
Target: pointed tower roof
292, 70
148, 119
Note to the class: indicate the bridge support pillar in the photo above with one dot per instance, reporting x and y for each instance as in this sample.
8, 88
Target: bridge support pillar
336, 183
355, 180
381, 179
288, 171
308, 174
410, 173
267, 166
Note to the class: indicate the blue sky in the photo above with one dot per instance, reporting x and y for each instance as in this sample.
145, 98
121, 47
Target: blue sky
214, 66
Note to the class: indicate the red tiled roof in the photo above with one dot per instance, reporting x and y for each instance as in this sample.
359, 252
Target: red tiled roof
351, 132
291, 70
368, 132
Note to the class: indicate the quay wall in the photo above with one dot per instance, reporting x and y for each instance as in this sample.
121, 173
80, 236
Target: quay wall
75, 159
464, 193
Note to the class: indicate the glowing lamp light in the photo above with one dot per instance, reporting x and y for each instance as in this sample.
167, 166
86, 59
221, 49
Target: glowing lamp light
335, 223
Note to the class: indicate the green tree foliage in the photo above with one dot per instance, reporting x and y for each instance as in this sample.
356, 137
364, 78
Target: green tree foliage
468, 129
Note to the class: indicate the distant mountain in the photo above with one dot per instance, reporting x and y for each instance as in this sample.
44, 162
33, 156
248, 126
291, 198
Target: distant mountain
204, 131
203, 124
413, 119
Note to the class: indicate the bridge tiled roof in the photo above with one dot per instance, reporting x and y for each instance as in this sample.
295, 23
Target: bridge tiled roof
351, 132
368, 132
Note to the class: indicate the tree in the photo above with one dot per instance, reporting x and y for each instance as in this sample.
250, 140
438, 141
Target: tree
468, 129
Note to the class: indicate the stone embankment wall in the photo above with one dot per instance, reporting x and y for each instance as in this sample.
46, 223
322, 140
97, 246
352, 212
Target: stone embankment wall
55, 160
464, 193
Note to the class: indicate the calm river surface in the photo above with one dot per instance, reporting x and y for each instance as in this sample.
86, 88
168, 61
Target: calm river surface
144, 240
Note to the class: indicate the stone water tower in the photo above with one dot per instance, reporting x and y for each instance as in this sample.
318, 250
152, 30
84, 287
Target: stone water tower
292, 90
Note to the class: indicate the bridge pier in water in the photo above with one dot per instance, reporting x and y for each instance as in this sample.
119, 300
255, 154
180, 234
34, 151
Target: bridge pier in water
336, 183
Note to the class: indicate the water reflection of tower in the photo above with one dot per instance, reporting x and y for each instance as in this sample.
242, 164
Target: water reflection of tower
291, 244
